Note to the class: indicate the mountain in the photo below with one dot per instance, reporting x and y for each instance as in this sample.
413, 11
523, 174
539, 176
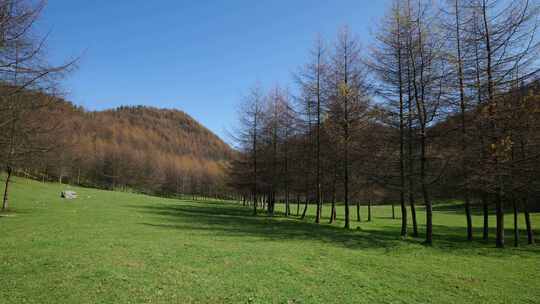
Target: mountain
145, 149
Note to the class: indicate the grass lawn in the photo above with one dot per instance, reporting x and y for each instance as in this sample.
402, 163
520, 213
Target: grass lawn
111, 247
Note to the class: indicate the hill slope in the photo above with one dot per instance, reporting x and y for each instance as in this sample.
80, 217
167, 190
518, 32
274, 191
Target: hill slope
148, 149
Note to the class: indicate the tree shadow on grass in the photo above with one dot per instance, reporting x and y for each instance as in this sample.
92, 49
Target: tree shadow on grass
221, 220
225, 220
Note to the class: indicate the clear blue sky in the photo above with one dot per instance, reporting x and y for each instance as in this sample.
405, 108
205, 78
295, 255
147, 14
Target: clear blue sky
199, 56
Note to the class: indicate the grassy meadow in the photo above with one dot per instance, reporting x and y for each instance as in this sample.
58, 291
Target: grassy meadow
113, 247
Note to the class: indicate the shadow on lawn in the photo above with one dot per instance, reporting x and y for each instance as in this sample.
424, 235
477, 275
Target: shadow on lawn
224, 219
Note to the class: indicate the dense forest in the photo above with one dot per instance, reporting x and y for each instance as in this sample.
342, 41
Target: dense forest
138, 148
444, 104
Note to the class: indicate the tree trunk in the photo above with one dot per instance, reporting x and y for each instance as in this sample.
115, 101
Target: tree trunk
464, 168
500, 222
469, 217
297, 205
485, 205
369, 211
255, 202
401, 137
346, 188
403, 216
410, 160
287, 204
318, 178
333, 211
530, 235
413, 215
358, 212
5, 204
516, 228
271, 203
305, 209
427, 201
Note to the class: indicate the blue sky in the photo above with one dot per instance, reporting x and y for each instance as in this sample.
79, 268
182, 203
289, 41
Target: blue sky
199, 56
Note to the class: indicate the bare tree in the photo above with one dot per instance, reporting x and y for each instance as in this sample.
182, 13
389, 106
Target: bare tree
387, 62
247, 138
311, 80
348, 104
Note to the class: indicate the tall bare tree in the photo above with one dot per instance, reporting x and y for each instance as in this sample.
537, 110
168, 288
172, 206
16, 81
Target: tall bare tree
388, 60
348, 104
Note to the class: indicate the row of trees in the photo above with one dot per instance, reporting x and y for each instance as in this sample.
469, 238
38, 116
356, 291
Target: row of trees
444, 104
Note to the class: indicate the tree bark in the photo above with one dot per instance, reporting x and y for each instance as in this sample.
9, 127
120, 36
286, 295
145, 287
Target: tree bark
500, 222
464, 171
410, 160
318, 178
413, 215
469, 217
287, 203
5, 203
333, 211
485, 205
401, 134
297, 205
369, 211
305, 208
530, 235
427, 201
516, 228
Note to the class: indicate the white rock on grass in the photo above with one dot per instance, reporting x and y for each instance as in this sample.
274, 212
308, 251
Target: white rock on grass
67, 194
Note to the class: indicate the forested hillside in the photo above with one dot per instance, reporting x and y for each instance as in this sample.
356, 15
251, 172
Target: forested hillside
138, 148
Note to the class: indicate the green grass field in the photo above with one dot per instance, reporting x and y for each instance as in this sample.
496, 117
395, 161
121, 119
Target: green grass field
111, 247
